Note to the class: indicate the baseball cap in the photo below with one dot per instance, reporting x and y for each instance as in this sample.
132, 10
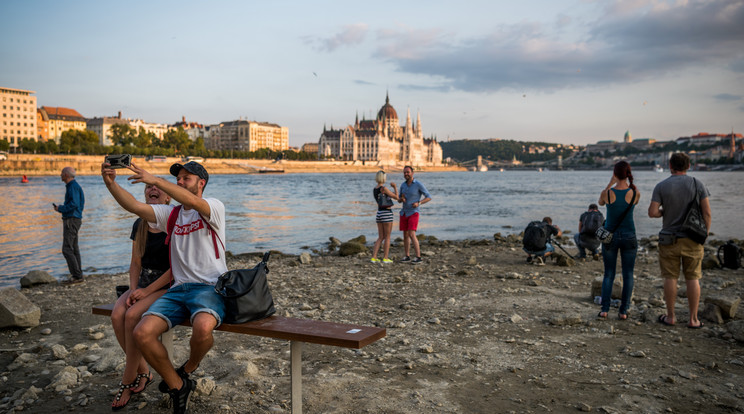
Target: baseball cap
192, 167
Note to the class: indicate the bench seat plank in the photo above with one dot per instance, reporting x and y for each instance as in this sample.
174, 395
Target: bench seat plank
296, 329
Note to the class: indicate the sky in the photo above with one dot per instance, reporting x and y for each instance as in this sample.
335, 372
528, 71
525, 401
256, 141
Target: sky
570, 72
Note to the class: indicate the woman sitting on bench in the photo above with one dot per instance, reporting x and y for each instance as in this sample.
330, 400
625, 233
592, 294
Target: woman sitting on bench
149, 276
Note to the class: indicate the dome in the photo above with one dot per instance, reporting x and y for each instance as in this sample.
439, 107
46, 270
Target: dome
387, 110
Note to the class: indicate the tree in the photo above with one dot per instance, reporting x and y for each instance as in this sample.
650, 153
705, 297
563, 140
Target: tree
28, 145
178, 140
4, 145
123, 134
75, 140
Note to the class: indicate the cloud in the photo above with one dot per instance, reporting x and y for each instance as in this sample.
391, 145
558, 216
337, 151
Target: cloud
630, 41
364, 83
727, 97
351, 34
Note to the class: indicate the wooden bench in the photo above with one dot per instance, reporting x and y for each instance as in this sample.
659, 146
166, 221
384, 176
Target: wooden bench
296, 331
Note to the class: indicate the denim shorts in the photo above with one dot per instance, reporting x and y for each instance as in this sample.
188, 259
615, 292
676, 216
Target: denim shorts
185, 301
548, 249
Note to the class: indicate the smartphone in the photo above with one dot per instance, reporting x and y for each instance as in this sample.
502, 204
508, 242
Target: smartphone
54, 205
119, 161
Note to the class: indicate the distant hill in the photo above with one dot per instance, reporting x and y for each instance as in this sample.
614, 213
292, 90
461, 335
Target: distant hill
494, 150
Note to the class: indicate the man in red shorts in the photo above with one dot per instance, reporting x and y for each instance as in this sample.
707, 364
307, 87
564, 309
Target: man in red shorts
410, 195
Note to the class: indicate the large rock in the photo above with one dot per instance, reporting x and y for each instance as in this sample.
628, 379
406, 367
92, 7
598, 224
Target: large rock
712, 313
351, 248
37, 277
617, 287
710, 262
16, 310
737, 330
728, 304
564, 261
305, 258
359, 239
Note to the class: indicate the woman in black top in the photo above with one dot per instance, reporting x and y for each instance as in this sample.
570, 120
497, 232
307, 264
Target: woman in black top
149, 276
384, 216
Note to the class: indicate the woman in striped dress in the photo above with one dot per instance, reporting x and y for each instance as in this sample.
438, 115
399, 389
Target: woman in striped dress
384, 218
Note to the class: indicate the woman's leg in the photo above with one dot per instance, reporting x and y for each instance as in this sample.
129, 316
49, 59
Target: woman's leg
387, 229
609, 254
627, 261
117, 318
378, 242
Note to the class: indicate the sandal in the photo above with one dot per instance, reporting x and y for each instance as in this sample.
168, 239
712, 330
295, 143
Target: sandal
122, 387
136, 384
665, 320
602, 315
696, 327
622, 316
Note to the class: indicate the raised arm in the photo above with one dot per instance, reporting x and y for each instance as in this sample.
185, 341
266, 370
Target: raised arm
124, 198
187, 199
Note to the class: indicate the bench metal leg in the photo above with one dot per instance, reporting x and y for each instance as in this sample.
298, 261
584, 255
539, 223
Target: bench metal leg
167, 339
295, 355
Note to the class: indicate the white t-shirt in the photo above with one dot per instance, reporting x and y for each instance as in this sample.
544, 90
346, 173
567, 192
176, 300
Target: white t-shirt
192, 251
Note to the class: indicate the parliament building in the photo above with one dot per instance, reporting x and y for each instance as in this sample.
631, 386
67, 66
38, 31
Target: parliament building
382, 140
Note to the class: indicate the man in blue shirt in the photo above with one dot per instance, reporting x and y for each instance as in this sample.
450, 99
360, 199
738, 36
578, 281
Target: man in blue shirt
72, 215
410, 195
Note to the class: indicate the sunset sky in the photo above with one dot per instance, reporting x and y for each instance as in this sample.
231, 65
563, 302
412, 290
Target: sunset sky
572, 72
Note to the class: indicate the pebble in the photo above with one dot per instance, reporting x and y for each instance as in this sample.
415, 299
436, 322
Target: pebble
435, 321
427, 349
637, 354
96, 335
45, 331
585, 407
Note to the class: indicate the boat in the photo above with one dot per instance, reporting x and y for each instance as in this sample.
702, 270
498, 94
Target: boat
24, 179
657, 168
265, 170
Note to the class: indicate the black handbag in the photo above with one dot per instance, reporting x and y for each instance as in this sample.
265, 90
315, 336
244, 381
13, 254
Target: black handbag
246, 293
694, 225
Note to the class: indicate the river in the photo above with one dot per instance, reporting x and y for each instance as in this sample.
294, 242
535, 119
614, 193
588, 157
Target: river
296, 212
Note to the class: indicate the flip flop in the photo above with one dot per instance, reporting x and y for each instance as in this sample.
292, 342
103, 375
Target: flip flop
602, 315
696, 327
663, 319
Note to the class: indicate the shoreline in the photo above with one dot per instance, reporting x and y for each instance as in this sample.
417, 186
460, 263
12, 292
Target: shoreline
49, 165
472, 329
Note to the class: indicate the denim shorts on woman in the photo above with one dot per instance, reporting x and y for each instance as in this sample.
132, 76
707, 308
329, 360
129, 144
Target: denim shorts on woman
184, 301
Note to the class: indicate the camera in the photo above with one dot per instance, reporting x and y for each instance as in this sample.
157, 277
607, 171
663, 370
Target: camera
119, 161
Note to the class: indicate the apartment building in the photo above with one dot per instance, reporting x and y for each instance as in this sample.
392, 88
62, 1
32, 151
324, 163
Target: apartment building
248, 136
102, 127
18, 114
56, 120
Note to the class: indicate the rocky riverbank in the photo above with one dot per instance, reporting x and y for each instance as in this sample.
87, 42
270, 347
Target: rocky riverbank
474, 329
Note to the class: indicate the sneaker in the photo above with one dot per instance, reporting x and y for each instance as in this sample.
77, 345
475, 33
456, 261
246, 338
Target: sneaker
529, 259
73, 281
181, 371
387, 261
406, 259
417, 260
374, 260
180, 398
539, 261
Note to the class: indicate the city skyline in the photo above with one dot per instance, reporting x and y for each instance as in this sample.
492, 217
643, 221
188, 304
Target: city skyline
570, 72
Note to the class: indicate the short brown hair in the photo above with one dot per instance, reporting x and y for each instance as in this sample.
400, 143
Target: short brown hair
679, 161
548, 220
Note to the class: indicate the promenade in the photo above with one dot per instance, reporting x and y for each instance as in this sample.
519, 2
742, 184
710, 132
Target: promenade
40, 165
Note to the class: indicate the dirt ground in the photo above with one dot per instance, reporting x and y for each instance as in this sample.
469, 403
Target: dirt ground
474, 329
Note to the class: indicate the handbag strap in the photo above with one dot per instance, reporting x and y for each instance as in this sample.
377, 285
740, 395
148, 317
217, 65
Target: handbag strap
627, 209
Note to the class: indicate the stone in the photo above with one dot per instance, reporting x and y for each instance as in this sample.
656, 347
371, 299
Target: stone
65, 379
351, 248
710, 262
736, 328
472, 260
59, 351
450, 302
37, 277
45, 331
16, 310
359, 239
334, 242
426, 349
712, 313
729, 305
565, 319
305, 258
516, 318
564, 261
249, 369
96, 335
205, 386
617, 287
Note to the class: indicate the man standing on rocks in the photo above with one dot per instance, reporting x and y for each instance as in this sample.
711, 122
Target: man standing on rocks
410, 195
670, 200
72, 217
195, 230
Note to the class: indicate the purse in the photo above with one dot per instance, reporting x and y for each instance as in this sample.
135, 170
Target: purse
383, 200
604, 235
246, 293
694, 225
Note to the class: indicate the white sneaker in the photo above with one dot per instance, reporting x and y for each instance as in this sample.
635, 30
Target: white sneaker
539, 261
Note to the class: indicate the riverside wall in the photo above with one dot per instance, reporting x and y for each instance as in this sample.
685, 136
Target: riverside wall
40, 165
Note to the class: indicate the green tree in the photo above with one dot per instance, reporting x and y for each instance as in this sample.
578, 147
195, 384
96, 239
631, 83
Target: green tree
144, 139
122, 134
177, 140
28, 145
4, 145
75, 139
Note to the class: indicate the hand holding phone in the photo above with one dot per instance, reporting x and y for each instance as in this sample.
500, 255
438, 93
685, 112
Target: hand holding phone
119, 161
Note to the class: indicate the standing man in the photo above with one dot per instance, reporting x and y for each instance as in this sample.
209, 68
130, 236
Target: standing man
670, 201
410, 195
196, 231
586, 238
72, 217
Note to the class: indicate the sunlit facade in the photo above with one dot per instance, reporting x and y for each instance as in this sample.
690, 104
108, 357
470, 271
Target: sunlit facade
59, 120
381, 140
18, 114
248, 136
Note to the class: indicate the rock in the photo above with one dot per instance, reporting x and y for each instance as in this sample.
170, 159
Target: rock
305, 258
359, 239
426, 349
617, 287
249, 370
564, 261
59, 351
712, 313
435, 321
516, 318
16, 310
351, 248
637, 354
205, 386
736, 328
45, 331
584, 407
728, 304
450, 302
37, 277
472, 261
565, 319
334, 242
710, 262
305, 307
65, 379
96, 335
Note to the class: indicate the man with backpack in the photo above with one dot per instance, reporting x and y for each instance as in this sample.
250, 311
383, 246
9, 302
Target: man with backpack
586, 238
195, 233
536, 240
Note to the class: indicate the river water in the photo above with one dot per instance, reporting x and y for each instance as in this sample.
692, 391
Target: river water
294, 212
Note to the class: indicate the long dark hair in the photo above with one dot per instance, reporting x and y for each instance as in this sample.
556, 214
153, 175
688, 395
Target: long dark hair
622, 171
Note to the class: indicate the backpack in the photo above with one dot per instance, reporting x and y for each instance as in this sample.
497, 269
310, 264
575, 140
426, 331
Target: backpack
592, 221
731, 255
383, 200
535, 236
